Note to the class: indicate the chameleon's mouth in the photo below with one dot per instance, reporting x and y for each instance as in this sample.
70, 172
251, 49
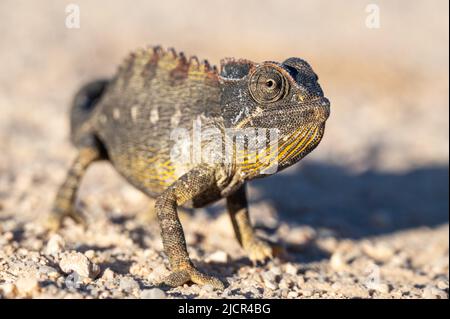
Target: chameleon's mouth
314, 111
322, 109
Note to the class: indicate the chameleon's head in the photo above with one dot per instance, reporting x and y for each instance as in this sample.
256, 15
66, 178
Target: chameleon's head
283, 97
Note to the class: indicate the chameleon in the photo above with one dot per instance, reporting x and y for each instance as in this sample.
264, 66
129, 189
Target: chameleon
143, 119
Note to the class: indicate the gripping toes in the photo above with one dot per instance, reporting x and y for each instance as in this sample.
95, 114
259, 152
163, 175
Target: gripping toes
182, 276
54, 221
258, 251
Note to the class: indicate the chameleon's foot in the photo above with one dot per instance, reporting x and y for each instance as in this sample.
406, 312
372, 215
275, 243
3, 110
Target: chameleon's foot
182, 276
54, 221
258, 251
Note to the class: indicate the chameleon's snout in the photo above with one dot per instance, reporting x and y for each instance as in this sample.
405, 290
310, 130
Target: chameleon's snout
323, 109
316, 111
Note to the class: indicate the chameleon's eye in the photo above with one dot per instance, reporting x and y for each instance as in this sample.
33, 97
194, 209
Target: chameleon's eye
267, 85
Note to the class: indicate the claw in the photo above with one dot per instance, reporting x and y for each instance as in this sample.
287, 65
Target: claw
258, 251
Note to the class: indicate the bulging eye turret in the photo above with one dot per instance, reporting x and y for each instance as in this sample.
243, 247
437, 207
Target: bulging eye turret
267, 85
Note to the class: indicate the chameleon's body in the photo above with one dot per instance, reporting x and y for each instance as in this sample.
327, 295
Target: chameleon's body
130, 120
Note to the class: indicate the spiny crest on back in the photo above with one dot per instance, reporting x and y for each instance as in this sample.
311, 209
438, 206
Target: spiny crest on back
144, 63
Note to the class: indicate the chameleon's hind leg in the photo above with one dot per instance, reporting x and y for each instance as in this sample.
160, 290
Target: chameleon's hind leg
257, 249
64, 204
185, 188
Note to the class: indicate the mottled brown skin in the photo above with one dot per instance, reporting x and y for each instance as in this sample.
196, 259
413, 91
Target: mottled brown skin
128, 120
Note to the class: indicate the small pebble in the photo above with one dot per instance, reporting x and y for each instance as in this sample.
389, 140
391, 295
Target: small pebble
108, 274
270, 284
27, 285
9, 290
275, 270
431, 292
383, 288
300, 281
49, 271
218, 257
153, 293
79, 263
128, 284
252, 290
337, 262
8, 236
89, 254
207, 288
157, 274
378, 252
283, 284
22, 252
291, 269
307, 292
442, 284
336, 286
55, 245
292, 294
268, 276
284, 293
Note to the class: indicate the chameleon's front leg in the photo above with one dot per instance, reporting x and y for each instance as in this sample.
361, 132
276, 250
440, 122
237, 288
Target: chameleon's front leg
257, 250
65, 198
185, 188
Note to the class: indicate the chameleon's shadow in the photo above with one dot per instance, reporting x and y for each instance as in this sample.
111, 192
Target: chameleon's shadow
357, 205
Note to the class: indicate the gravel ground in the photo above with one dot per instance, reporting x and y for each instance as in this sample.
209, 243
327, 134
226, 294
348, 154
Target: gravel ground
364, 216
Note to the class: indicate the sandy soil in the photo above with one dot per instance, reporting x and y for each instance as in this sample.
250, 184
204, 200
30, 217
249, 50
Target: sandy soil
365, 215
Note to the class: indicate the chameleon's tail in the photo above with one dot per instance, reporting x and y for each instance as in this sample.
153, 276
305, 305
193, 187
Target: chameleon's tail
83, 105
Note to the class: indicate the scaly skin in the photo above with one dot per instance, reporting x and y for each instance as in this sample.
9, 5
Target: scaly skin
131, 119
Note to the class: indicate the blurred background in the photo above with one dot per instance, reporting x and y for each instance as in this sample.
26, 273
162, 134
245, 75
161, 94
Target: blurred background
382, 166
